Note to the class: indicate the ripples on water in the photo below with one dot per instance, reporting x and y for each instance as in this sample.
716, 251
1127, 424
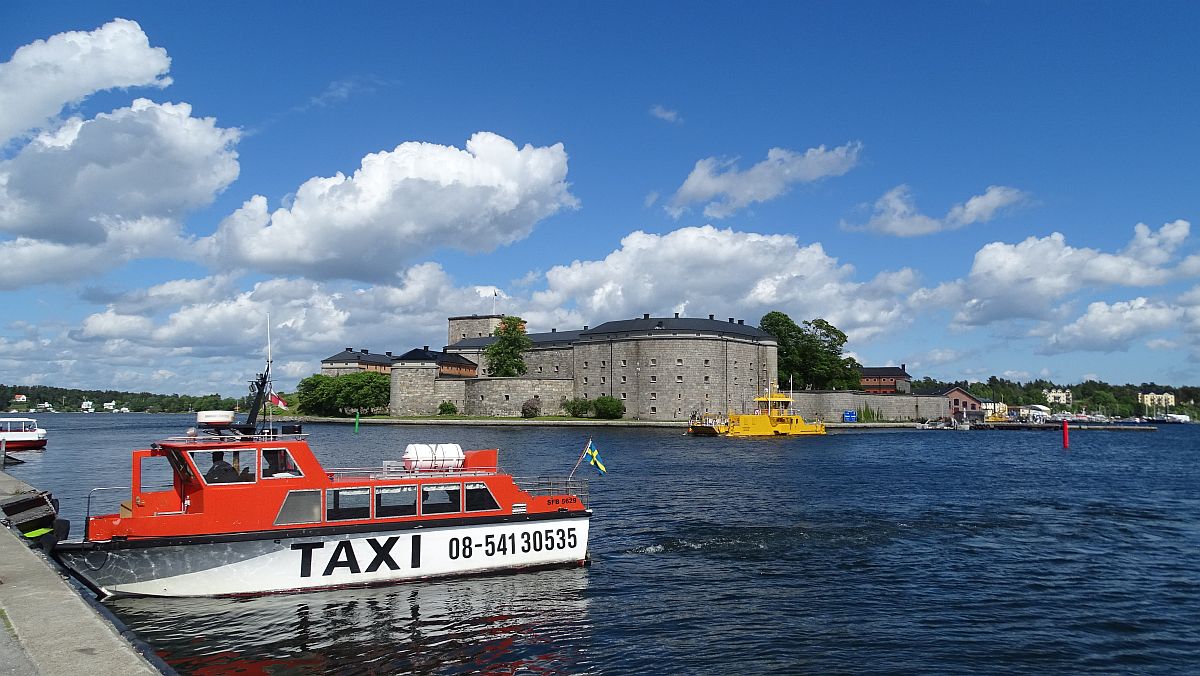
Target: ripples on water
904, 551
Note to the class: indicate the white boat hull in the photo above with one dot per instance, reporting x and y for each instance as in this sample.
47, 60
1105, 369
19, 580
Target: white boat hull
243, 566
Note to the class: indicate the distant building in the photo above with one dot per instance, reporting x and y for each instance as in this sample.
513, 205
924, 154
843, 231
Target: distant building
350, 360
1153, 400
962, 405
1062, 397
994, 409
885, 380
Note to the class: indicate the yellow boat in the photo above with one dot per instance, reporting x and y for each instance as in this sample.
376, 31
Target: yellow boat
772, 417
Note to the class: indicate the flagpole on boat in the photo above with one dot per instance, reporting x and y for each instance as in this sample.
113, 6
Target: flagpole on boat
581, 454
270, 385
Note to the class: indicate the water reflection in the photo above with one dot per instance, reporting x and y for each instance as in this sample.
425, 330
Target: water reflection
536, 622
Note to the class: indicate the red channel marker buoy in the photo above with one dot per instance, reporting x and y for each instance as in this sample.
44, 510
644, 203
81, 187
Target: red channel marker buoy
1066, 436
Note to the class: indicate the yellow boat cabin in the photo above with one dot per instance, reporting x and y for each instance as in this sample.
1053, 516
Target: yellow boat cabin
772, 416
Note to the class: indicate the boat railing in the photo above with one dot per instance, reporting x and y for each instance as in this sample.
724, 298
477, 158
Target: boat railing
87, 518
397, 471
546, 485
238, 438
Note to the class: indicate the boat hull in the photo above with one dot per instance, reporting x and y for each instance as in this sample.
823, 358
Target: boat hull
262, 563
24, 444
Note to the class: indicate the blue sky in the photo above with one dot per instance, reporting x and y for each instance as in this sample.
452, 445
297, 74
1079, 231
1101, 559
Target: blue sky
970, 189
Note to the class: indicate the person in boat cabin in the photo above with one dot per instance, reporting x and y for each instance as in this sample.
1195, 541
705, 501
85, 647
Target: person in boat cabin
221, 472
278, 463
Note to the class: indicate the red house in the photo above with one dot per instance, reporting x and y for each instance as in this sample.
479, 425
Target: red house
885, 379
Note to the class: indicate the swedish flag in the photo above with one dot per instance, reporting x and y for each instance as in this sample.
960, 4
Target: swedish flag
593, 454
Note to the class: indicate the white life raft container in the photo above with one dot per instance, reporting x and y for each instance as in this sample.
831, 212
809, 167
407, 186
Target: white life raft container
433, 456
210, 418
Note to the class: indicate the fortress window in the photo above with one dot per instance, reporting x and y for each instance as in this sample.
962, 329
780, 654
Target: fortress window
706, 379
622, 362
706, 362
622, 395
603, 380
585, 380
654, 409
654, 379
585, 364
603, 363
679, 379
654, 362
654, 395
539, 369
622, 379
506, 397
679, 362
556, 369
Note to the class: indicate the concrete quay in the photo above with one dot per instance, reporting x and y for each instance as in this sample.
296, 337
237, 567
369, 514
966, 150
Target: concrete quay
46, 626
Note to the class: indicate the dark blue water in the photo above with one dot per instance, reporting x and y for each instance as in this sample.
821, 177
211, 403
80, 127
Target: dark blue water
909, 551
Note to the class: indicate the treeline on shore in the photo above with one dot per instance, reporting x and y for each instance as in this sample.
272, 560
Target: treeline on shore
1092, 396
67, 400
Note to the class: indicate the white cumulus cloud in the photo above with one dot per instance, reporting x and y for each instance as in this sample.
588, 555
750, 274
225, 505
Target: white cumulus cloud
708, 270
728, 190
46, 75
399, 205
1113, 327
1029, 279
93, 194
896, 213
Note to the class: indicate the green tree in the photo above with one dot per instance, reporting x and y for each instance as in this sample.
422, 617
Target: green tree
577, 407
609, 408
363, 391
504, 356
447, 408
810, 356
318, 395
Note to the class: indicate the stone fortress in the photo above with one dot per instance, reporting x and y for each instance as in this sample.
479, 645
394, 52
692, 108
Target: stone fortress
661, 368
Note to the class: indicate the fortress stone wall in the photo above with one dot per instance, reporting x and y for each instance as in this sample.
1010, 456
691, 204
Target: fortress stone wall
829, 405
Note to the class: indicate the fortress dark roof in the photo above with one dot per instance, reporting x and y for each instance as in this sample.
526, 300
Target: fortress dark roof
352, 356
422, 354
647, 324
644, 325
884, 372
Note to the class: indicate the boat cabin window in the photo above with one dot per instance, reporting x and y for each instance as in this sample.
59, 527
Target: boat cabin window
300, 507
226, 467
391, 501
347, 503
279, 464
479, 498
440, 498
156, 474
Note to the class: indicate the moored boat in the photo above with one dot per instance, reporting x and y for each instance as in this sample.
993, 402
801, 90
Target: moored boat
772, 416
252, 511
21, 434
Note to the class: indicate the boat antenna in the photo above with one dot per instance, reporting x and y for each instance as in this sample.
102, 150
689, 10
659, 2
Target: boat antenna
258, 388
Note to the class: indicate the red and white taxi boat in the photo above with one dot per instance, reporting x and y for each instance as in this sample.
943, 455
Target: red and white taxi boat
253, 511
21, 434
